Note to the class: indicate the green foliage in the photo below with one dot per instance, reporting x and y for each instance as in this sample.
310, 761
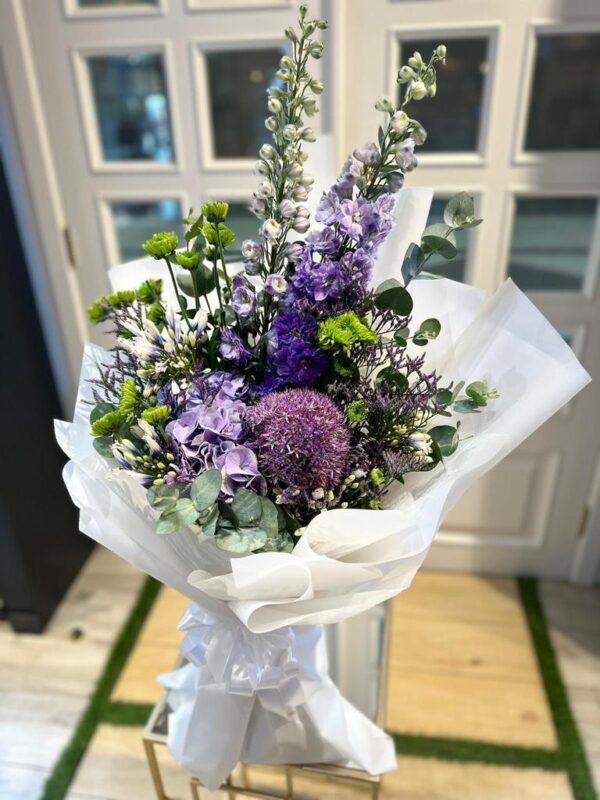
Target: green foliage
439, 238
413, 263
393, 377
129, 398
155, 415
445, 439
345, 367
161, 245
182, 514
103, 446
108, 424
477, 395
460, 212
205, 489
357, 411
246, 506
393, 296
429, 329
163, 497
344, 331
104, 306
204, 278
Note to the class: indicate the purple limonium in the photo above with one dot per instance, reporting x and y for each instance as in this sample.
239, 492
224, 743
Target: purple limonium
233, 348
243, 299
301, 439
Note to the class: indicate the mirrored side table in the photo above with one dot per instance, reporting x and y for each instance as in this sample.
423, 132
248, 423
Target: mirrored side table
359, 654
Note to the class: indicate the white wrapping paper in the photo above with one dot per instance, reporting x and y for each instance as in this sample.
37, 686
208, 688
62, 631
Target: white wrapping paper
257, 687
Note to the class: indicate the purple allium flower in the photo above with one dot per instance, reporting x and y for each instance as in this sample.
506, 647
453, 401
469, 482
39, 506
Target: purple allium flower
243, 299
301, 439
233, 348
368, 153
300, 363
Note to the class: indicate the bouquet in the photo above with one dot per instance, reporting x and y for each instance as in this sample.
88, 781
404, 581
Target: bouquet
280, 439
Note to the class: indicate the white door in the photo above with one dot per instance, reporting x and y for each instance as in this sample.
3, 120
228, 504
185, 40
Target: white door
516, 122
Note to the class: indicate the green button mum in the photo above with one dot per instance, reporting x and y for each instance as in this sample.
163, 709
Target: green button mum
161, 245
344, 330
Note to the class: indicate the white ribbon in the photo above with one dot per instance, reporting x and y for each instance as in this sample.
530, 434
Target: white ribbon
262, 698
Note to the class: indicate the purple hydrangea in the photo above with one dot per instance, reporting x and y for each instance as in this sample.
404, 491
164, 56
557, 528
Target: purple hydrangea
301, 440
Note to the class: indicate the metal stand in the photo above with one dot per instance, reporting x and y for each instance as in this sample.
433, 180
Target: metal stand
155, 735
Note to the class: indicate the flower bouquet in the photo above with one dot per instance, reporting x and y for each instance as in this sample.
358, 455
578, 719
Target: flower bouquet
279, 439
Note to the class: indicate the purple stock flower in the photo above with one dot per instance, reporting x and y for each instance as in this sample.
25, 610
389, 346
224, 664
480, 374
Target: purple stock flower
243, 299
233, 348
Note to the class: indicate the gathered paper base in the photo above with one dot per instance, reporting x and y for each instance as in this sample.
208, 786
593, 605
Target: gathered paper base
292, 715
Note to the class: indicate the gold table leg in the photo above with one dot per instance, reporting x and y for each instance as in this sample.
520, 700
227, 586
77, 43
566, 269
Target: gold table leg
155, 770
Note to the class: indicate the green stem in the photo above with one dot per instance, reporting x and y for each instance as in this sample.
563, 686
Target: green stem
179, 298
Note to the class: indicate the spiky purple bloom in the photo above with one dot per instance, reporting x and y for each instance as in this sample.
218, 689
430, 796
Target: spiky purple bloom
301, 440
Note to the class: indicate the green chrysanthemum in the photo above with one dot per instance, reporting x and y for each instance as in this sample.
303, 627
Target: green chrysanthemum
357, 411
108, 424
155, 415
129, 397
343, 331
161, 245
150, 291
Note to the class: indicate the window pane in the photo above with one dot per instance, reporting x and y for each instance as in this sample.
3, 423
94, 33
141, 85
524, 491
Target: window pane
452, 121
134, 222
244, 224
238, 81
565, 100
132, 108
438, 265
551, 241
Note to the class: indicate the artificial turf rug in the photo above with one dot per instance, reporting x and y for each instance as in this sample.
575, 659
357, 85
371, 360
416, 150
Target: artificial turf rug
476, 702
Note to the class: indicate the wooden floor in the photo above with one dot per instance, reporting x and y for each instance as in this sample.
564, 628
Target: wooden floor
461, 666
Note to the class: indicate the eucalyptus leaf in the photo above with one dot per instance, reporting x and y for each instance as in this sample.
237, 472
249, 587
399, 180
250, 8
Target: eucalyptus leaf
205, 489
459, 209
281, 543
430, 328
439, 238
392, 377
246, 506
443, 397
210, 521
413, 263
240, 540
476, 391
205, 279
466, 407
163, 497
185, 283
392, 295
183, 513
445, 437
100, 410
103, 446
270, 517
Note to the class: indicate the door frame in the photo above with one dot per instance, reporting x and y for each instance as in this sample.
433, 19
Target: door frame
38, 203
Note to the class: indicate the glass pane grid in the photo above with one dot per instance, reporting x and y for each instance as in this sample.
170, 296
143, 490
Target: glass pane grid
134, 221
132, 106
453, 121
564, 112
237, 84
551, 242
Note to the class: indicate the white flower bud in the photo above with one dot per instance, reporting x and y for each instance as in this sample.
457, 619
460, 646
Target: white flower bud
270, 229
287, 209
302, 212
266, 189
286, 62
440, 51
316, 49
274, 105
416, 60
290, 133
300, 193
417, 90
316, 86
307, 180
301, 225
271, 123
302, 156
261, 168
283, 75
259, 206
431, 90
310, 106
406, 74
399, 122
309, 135
267, 152
383, 104
294, 170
